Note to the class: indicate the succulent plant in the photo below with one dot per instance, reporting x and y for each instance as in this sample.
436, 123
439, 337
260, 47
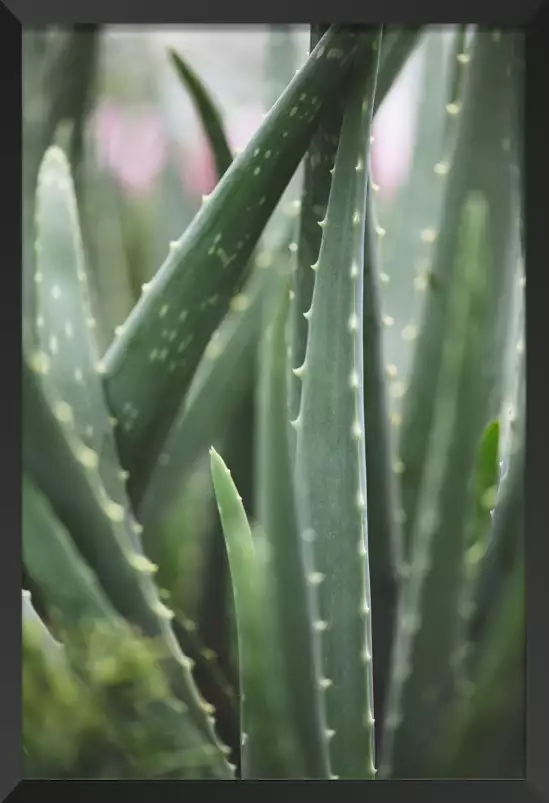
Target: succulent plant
375, 615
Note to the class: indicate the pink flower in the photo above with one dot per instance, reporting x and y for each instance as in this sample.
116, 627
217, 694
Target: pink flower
394, 132
131, 145
198, 174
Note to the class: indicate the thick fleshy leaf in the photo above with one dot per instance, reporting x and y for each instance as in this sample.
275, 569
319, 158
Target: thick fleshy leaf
291, 580
209, 114
330, 448
100, 531
262, 745
151, 364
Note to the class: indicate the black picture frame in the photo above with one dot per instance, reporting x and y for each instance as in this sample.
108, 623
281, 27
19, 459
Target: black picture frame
530, 15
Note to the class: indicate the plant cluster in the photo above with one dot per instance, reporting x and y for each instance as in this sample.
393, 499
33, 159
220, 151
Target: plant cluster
376, 600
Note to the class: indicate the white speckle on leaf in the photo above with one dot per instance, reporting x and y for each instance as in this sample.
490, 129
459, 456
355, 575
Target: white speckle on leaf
63, 412
409, 332
240, 302
40, 363
87, 457
398, 389
453, 109
353, 322
428, 235
264, 259
142, 564
442, 168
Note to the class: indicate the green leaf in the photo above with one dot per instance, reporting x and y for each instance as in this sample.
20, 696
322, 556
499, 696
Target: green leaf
477, 731
487, 464
383, 503
65, 325
58, 71
319, 162
458, 56
289, 576
209, 114
215, 391
101, 532
54, 564
484, 162
456, 388
477, 536
261, 746
330, 452
31, 619
407, 221
429, 615
282, 61
507, 523
150, 366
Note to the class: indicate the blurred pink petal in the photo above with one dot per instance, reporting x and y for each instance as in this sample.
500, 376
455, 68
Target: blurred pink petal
132, 146
393, 131
198, 174
107, 122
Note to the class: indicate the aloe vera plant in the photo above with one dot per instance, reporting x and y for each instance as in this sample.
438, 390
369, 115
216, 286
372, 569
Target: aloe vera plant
375, 614
217, 249
467, 367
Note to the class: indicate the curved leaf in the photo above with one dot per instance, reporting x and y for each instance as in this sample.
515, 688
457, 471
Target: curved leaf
151, 364
209, 114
